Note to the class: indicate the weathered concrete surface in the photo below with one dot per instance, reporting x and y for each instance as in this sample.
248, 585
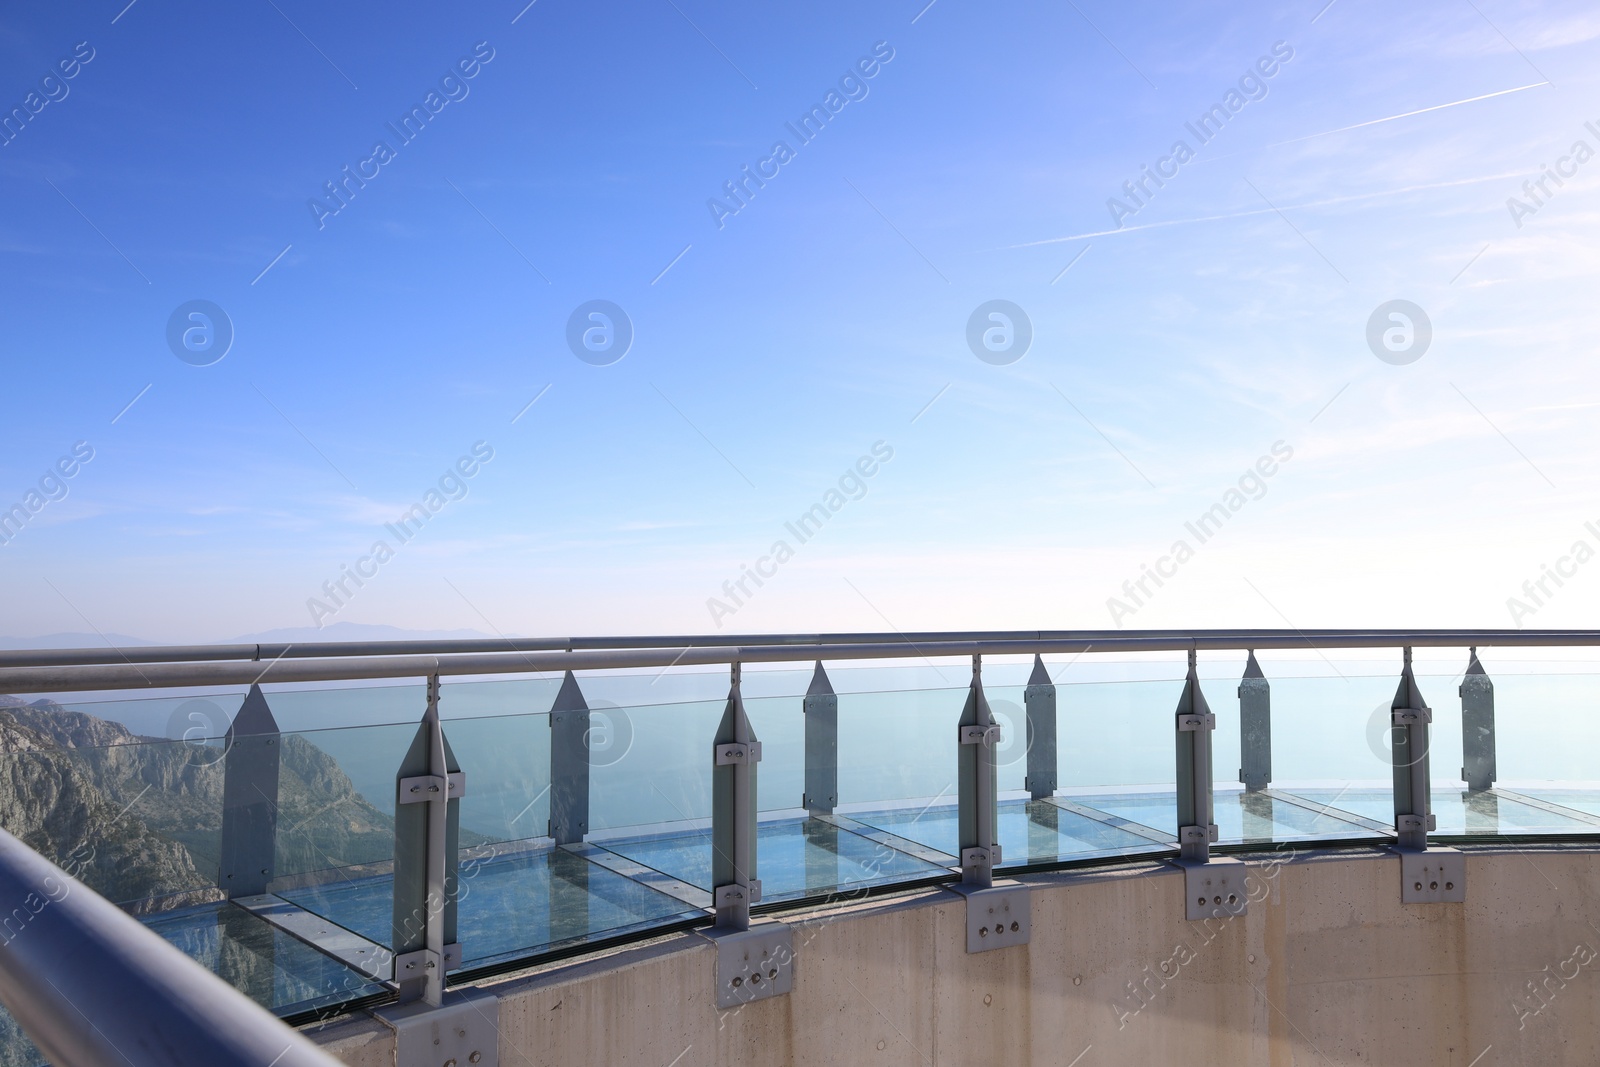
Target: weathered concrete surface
1328, 967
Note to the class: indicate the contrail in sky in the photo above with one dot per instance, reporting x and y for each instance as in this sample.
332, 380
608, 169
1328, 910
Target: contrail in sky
1260, 211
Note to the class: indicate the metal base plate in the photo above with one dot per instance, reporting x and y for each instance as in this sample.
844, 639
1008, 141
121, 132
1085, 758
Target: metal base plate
464, 1030
753, 964
1214, 889
1437, 876
998, 916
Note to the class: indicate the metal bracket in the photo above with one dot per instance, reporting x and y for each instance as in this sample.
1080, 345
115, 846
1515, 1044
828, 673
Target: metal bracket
1410, 716
1187, 723
1402, 823
752, 964
428, 787
981, 735
1437, 876
411, 964
998, 916
1214, 889
1201, 834
972, 857
464, 1030
726, 895
738, 753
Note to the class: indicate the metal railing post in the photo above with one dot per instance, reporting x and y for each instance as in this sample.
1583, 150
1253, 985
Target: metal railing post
1197, 828
250, 799
1213, 887
1039, 698
427, 829
735, 753
1409, 717
569, 763
1477, 727
999, 915
1255, 727
1428, 875
821, 709
978, 736
754, 961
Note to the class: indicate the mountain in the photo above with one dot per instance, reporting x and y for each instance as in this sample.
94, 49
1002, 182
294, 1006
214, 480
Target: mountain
53, 802
138, 820
150, 810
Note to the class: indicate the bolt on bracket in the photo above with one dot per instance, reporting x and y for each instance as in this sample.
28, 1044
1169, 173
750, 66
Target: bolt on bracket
412, 964
753, 964
981, 735
726, 895
1214, 889
464, 1030
425, 787
998, 916
747, 752
1437, 876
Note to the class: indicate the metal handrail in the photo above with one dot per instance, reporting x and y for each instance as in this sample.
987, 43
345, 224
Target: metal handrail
1233, 639
94, 988
670, 652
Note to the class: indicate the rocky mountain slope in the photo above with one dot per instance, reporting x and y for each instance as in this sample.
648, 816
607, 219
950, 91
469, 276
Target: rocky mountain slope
145, 814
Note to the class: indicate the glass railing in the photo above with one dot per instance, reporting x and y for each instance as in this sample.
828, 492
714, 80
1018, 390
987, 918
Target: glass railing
550, 862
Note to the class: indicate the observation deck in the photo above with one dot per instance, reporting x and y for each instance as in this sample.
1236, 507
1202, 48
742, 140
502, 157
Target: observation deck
1079, 831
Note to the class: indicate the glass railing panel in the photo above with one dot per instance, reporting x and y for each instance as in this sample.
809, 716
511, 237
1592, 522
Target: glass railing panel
138, 822
657, 774
507, 763
914, 779
1326, 729
660, 818
350, 705
1542, 787
897, 765
1332, 771
1547, 728
1117, 755
802, 856
336, 793
898, 750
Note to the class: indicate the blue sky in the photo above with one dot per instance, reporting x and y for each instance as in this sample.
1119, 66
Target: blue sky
1228, 314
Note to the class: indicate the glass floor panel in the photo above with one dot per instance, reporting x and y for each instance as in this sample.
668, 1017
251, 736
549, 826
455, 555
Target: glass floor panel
798, 858
1583, 802
271, 967
1242, 818
1030, 832
512, 905
1263, 818
1458, 812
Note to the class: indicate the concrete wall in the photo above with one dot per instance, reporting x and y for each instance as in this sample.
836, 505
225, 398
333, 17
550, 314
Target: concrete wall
1326, 968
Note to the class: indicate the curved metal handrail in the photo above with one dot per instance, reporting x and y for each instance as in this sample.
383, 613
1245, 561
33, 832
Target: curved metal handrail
382, 662
1103, 639
94, 988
